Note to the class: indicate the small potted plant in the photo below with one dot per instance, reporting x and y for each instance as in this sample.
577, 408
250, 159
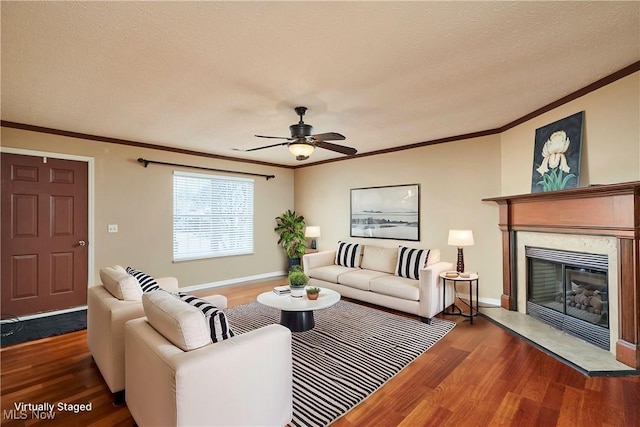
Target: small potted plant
312, 293
297, 281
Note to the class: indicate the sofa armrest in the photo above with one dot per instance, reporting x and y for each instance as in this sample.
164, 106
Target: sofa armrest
318, 259
106, 316
166, 386
168, 284
219, 301
431, 289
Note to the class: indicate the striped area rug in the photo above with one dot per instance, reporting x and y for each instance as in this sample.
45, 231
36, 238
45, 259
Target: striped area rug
352, 351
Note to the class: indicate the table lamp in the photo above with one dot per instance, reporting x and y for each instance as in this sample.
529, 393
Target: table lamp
312, 231
460, 238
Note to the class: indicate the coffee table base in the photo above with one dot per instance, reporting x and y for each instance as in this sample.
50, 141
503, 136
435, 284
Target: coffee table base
297, 321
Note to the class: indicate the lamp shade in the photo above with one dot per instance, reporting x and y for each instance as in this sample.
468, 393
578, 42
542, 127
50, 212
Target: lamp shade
312, 231
460, 238
301, 149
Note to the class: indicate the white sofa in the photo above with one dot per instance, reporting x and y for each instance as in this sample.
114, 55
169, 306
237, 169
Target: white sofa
374, 280
107, 313
176, 375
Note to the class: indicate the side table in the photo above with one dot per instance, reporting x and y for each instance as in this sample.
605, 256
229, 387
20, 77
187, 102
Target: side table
473, 278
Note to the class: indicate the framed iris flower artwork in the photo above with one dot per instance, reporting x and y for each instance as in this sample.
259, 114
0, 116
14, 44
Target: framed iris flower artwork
556, 155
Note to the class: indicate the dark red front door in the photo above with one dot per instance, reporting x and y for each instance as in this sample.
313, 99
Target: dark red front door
44, 234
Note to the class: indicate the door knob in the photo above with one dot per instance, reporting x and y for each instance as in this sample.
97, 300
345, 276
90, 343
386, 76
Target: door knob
82, 243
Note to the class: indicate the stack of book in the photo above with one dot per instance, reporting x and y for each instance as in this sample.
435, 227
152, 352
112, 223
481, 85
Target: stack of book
282, 290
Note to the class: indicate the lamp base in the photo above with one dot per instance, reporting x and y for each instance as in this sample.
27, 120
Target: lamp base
313, 244
460, 265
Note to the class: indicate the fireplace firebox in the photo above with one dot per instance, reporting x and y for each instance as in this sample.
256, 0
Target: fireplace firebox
569, 291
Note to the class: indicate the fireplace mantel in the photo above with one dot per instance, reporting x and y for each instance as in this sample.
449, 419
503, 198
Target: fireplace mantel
603, 210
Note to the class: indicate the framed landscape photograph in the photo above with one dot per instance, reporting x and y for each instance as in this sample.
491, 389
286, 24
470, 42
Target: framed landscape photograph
556, 155
391, 212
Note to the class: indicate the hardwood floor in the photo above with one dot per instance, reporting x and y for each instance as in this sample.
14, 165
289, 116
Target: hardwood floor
478, 375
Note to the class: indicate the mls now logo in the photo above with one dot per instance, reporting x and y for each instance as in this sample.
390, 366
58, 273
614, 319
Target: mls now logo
14, 414
23, 411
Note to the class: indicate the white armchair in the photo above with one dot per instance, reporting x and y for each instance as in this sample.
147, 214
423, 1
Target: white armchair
106, 317
245, 380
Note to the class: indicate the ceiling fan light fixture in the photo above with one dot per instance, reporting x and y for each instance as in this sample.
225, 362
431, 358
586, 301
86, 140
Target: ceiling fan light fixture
301, 150
302, 143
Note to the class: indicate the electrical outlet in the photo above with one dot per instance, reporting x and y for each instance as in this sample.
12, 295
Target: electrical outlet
113, 228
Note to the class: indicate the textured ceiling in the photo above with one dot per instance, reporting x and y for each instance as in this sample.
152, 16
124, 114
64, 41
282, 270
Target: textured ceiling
208, 76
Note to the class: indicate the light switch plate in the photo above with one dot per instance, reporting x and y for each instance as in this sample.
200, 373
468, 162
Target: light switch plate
113, 228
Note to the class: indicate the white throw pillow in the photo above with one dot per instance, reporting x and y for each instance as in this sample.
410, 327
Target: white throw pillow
380, 259
120, 284
176, 320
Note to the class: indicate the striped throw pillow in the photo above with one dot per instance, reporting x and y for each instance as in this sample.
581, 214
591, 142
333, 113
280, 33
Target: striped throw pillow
348, 254
216, 319
410, 261
147, 283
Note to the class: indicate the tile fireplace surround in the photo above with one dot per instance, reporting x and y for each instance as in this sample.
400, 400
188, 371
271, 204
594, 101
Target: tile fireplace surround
602, 218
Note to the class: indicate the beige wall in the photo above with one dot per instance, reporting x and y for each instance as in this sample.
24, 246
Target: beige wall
140, 201
453, 179
610, 145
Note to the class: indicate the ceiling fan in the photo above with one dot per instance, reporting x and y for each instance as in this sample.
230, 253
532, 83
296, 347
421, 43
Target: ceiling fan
302, 143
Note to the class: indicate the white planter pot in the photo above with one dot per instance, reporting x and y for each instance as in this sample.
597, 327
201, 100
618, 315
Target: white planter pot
297, 292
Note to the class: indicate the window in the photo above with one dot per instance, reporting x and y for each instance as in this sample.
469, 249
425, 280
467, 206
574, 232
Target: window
212, 216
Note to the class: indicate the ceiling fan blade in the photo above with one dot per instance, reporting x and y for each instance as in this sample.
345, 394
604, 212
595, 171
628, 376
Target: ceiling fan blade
261, 148
331, 136
337, 148
273, 137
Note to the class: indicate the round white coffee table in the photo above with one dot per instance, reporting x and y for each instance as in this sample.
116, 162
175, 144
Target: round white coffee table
297, 313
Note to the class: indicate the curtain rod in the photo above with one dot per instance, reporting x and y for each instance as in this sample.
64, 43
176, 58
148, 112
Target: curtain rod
147, 162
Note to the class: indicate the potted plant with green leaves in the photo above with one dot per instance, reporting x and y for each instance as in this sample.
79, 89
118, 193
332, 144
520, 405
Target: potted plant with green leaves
313, 293
297, 281
290, 226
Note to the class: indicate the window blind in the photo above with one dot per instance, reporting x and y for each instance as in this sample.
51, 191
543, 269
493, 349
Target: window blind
212, 216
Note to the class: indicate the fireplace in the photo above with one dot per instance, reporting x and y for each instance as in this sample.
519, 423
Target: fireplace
608, 211
569, 291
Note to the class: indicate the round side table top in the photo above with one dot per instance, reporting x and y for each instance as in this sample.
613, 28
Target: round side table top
326, 298
472, 276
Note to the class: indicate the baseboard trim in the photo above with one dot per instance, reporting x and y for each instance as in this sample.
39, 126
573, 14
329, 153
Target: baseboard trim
233, 281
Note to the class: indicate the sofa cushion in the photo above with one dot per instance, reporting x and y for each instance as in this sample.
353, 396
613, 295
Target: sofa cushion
179, 322
360, 279
348, 254
216, 319
329, 273
147, 283
410, 262
395, 286
120, 284
379, 259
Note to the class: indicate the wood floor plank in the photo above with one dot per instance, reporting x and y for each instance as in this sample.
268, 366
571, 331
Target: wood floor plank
477, 375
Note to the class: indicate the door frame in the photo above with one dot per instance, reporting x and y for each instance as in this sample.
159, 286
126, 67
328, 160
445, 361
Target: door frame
90, 214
